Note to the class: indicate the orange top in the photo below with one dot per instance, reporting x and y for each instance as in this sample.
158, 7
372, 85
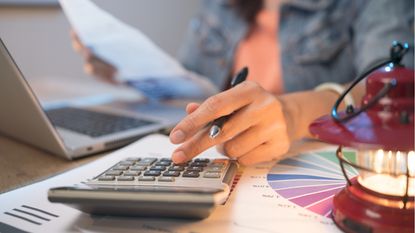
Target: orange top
261, 53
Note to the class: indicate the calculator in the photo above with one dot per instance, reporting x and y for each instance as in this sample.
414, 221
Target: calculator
153, 187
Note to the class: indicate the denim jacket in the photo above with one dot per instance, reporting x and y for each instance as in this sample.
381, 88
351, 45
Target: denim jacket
321, 40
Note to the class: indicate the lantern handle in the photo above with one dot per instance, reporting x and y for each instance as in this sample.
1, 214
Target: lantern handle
397, 52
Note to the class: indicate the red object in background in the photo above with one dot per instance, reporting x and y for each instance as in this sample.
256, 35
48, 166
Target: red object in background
388, 124
357, 209
385, 120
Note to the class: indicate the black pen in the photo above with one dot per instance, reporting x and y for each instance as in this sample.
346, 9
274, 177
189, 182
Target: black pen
217, 124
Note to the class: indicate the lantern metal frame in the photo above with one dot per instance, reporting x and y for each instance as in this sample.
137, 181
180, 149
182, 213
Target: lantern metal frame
343, 161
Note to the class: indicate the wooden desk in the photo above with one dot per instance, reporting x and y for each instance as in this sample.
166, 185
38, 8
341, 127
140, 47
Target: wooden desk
22, 164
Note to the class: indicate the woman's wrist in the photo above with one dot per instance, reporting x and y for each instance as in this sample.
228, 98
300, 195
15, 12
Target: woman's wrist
291, 111
302, 108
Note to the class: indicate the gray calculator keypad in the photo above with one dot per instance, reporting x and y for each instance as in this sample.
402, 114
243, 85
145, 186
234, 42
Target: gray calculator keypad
162, 170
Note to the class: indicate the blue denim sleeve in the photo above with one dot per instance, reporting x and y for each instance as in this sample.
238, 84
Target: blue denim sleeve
380, 23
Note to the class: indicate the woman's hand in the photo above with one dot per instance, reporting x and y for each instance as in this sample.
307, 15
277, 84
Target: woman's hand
94, 65
255, 132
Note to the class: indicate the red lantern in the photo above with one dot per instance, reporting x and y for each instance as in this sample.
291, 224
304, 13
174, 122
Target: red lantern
381, 197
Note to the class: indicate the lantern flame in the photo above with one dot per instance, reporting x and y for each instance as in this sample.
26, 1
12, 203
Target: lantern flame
378, 163
390, 170
411, 163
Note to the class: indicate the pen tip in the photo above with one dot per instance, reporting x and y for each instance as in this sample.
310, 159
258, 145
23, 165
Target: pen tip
214, 131
244, 72
245, 69
240, 77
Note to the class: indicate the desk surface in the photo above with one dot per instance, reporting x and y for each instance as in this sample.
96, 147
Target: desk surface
23, 164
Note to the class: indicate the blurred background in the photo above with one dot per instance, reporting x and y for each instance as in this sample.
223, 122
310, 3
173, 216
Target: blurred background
37, 34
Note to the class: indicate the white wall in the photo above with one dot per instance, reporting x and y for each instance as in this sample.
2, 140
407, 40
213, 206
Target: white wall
39, 37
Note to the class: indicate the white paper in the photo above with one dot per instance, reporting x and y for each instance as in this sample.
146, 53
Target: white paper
135, 56
252, 207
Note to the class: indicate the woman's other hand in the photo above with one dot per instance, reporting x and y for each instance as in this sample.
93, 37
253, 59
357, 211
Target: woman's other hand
94, 65
255, 132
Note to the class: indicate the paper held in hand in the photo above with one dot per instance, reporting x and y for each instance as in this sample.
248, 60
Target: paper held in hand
139, 62
121, 45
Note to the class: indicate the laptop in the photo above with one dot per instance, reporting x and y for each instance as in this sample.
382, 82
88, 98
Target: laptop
73, 131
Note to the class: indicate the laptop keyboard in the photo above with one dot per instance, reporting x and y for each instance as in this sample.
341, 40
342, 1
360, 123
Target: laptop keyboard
91, 123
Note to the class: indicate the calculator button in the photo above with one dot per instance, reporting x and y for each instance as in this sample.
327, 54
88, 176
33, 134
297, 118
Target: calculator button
106, 178
198, 164
125, 178
166, 179
132, 173
166, 160
120, 168
214, 169
146, 161
176, 168
138, 168
126, 163
152, 173
211, 175
133, 159
163, 163
202, 160
113, 173
181, 164
171, 173
146, 178
158, 168
196, 169
192, 174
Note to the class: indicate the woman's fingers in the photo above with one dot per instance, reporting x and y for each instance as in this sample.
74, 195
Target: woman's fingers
93, 65
80, 47
264, 114
191, 147
191, 107
201, 140
265, 152
76, 42
214, 107
101, 69
246, 141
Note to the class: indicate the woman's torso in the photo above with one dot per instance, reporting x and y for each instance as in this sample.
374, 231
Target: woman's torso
316, 41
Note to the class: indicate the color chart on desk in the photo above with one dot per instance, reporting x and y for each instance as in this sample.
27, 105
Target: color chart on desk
311, 180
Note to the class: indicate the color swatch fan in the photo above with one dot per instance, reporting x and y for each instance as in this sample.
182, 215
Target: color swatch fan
310, 180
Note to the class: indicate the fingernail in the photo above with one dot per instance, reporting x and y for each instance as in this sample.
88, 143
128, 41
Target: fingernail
179, 157
177, 137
